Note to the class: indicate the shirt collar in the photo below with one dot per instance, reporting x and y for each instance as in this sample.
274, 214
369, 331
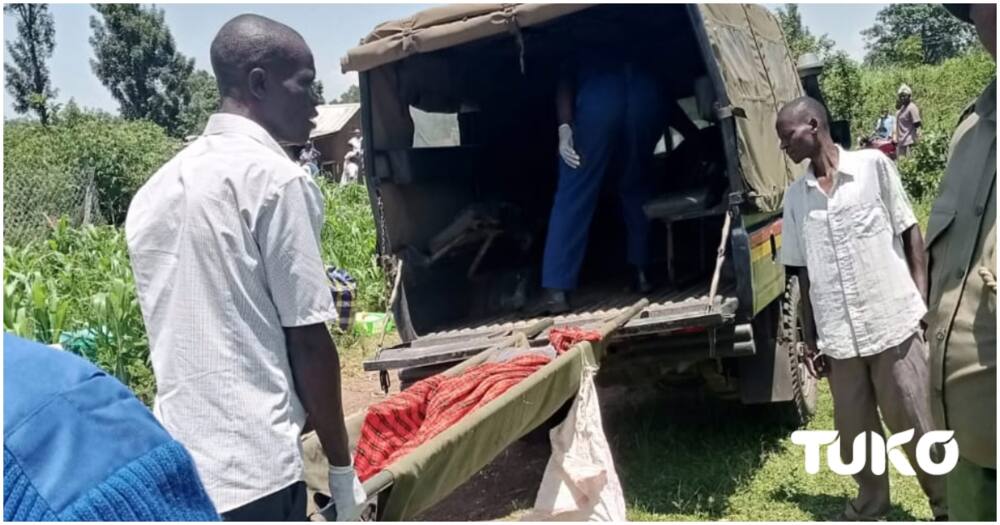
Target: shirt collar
228, 123
986, 105
846, 165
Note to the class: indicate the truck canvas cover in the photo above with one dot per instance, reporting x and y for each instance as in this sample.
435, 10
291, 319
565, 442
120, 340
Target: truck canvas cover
758, 73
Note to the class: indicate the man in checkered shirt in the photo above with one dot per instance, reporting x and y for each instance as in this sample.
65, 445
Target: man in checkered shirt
224, 244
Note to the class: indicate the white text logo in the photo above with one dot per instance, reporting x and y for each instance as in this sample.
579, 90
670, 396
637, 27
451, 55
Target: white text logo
813, 441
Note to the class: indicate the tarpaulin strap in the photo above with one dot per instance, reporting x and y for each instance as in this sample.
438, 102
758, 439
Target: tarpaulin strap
515, 29
565, 337
724, 112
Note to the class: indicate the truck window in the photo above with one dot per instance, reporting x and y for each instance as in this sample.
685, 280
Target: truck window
434, 130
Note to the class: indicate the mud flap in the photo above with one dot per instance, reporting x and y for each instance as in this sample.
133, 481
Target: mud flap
766, 376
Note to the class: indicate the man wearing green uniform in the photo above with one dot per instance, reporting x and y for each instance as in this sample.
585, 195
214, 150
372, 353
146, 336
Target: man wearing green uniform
961, 321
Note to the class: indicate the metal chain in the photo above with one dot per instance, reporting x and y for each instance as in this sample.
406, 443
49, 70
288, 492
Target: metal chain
389, 268
388, 262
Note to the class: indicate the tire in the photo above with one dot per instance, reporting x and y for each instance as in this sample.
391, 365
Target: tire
802, 407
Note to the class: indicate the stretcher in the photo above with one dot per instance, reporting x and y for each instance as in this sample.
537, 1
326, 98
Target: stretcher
435, 469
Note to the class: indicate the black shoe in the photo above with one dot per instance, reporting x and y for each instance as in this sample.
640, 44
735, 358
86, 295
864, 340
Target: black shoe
641, 282
552, 302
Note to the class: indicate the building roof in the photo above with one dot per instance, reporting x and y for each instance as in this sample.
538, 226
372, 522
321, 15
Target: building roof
332, 118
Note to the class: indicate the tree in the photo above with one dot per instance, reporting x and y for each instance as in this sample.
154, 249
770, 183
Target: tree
204, 101
27, 77
800, 40
137, 60
938, 35
841, 83
352, 94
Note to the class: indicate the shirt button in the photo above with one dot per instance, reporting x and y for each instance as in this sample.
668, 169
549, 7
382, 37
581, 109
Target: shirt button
940, 336
980, 209
959, 274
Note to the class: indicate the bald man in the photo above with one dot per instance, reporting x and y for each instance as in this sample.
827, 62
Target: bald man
851, 237
224, 244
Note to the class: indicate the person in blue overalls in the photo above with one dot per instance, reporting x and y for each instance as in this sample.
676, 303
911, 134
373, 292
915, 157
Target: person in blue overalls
607, 102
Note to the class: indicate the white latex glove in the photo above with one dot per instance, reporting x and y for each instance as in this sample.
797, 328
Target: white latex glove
566, 150
347, 493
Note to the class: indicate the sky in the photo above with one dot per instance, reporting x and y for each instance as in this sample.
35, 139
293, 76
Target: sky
330, 31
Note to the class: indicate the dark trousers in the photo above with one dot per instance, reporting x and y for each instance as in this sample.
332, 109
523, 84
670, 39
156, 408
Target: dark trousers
894, 383
287, 504
617, 110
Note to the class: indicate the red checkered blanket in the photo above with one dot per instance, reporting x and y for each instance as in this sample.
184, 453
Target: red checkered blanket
408, 419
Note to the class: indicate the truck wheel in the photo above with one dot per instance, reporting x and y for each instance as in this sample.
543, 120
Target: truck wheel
801, 408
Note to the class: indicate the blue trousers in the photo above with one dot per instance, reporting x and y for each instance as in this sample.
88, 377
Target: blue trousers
617, 110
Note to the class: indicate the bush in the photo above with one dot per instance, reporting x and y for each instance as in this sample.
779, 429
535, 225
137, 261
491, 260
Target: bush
79, 279
941, 91
47, 169
75, 279
348, 241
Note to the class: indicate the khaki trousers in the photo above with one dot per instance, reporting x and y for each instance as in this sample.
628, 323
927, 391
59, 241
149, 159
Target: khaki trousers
894, 383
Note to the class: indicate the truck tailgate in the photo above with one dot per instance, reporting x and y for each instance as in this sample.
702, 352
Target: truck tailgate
668, 311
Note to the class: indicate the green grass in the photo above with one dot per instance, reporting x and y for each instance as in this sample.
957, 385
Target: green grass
714, 461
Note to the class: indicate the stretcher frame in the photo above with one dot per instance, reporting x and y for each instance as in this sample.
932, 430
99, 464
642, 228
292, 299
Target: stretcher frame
436, 468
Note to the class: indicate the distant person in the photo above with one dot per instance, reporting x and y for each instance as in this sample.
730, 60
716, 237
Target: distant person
353, 159
962, 321
355, 141
78, 446
854, 243
885, 125
224, 244
907, 131
309, 158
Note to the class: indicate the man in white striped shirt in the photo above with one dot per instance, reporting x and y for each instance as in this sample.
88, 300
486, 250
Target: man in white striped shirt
851, 238
224, 244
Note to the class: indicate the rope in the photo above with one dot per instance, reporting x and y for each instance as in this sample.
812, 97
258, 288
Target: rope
719, 259
989, 279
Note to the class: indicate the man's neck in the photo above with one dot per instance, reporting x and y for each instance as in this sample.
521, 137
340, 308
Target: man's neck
825, 163
232, 106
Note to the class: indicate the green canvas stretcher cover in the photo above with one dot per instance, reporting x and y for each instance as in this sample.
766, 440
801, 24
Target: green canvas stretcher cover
435, 469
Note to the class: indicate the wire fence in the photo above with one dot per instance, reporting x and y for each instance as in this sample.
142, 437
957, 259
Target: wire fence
34, 201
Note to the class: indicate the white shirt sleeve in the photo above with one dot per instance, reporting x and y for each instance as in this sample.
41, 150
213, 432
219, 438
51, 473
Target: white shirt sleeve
894, 196
791, 234
288, 235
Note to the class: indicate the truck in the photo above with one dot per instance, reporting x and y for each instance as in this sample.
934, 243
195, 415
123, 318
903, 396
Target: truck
459, 124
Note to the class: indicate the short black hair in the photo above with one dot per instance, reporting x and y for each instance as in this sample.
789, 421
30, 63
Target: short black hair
250, 41
804, 108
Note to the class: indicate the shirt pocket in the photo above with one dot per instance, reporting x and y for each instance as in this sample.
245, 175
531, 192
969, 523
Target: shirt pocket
868, 219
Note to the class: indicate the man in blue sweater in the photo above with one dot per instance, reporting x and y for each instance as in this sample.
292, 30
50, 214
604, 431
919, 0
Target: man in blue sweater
78, 446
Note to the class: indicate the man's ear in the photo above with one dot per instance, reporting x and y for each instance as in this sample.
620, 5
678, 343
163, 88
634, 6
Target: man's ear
257, 83
813, 125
